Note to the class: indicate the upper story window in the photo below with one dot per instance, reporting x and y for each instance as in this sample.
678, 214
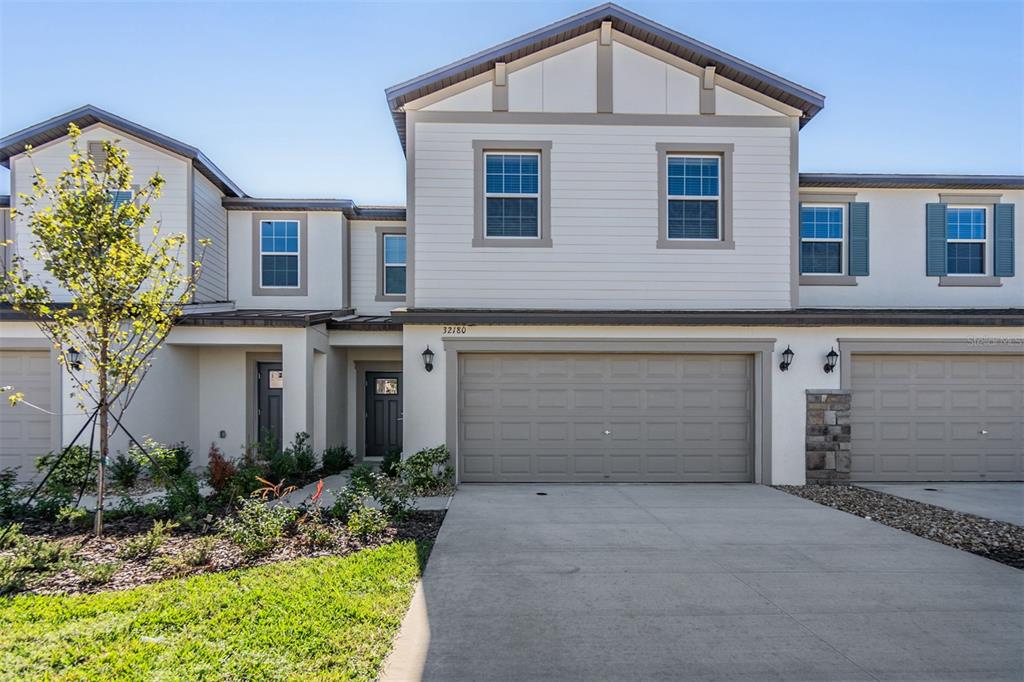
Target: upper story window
394, 264
966, 235
821, 240
279, 253
694, 197
121, 196
512, 195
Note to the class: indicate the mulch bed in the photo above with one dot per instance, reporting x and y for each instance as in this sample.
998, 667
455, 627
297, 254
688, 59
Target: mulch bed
996, 540
224, 556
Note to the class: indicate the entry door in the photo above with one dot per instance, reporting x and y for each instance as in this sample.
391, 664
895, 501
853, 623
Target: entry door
383, 412
270, 382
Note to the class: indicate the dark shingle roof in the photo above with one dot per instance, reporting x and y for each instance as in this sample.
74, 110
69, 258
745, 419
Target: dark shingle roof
683, 46
911, 181
57, 127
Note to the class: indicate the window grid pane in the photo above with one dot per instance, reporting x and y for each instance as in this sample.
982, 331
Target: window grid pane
280, 271
821, 222
513, 173
693, 219
279, 236
965, 258
965, 223
821, 257
394, 249
693, 176
507, 217
121, 196
394, 280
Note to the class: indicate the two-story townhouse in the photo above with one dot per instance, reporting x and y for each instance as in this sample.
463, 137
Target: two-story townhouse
609, 269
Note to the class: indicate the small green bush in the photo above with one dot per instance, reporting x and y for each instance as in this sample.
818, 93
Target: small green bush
11, 505
428, 472
303, 457
14, 572
317, 532
281, 466
362, 477
42, 555
77, 468
97, 574
125, 471
144, 546
162, 463
336, 460
392, 496
346, 501
366, 522
391, 463
185, 504
257, 527
12, 538
199, 552
75, 517
243, 484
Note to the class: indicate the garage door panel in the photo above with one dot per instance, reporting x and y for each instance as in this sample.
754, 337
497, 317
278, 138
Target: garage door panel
606, 417
26, 433
937, 418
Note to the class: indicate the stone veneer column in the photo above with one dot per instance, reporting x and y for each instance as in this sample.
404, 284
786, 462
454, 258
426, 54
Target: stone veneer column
827, 443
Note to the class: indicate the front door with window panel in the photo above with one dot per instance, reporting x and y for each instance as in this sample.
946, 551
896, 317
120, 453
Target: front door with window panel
383, 413
269, 398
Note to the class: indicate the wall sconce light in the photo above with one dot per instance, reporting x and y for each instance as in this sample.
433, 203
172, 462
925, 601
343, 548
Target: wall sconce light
787, 359
74, 359
428, 359
830, 361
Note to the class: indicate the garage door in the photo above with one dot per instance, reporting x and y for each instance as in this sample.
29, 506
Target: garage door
937, 418
614, 417
25, 433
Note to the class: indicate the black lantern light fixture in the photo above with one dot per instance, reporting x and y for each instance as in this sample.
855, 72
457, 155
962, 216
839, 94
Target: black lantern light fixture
74, 359
830, 361
787, 359
428, 359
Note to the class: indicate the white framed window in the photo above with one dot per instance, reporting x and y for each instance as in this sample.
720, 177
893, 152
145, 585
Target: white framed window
121, 196
395, 258
694, 196
279, 254
966, 240
512, 195
822, 238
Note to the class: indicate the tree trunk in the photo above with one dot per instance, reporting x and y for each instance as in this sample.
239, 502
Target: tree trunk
104, 440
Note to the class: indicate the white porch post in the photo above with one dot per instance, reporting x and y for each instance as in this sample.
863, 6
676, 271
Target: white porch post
305, 385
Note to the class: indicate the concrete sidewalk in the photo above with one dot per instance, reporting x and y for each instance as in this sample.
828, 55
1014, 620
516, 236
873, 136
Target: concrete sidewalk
999, 501
629, 582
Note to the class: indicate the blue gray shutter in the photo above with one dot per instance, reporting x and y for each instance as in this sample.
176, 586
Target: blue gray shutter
935, 238
859, 239
1002, 255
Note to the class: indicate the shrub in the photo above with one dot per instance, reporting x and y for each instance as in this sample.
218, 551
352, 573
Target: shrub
346, 501
14, 571
199, 552
185, 504
42, 555
303, 457
97, 574
125, 471
391, 463
244, 483
281, 466
257, 527
164, 462
143, 546
366, 522
73, 516
362, 477
428, 472
316, 532
220, 470
336, 460
11, 505
392, 496
77, 468
12, 538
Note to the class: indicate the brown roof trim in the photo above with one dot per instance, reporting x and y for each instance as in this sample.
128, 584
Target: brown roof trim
257, 318
366, 323
811, 317
911, 181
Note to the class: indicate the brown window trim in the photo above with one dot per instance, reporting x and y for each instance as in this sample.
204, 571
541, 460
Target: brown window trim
383, 230
257, 285
725, 238
542, 147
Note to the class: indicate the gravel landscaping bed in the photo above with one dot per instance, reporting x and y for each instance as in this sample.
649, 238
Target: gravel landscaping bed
996, 540
224, 555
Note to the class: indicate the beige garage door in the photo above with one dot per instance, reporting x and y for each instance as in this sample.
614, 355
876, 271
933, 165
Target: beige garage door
614, 417
25, 433
937, 418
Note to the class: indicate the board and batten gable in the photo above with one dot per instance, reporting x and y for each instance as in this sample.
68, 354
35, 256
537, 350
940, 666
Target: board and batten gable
171, 210
604, 107
322, 256
209, 222
896, 251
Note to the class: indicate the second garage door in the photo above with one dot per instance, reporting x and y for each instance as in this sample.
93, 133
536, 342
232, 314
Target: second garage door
26, 433
606, 417
937, 418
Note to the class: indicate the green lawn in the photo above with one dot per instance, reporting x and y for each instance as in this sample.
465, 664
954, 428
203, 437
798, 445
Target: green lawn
314, 619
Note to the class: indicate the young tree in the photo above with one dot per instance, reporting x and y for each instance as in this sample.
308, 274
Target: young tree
110, 288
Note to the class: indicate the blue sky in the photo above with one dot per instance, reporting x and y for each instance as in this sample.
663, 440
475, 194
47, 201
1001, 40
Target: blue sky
288, 98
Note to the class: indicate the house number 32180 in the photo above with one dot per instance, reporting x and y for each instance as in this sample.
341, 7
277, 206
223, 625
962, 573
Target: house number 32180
460, 329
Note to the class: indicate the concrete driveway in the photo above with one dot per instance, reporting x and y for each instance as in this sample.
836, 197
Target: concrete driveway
642, 582
993, 500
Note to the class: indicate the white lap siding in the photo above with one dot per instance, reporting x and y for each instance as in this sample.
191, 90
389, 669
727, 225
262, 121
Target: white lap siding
604, 215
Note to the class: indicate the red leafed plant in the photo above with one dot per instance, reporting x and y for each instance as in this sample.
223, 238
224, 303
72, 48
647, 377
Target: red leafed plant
315, 500
222, 469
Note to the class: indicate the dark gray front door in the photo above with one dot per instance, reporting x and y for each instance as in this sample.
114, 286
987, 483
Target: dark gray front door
270, 381
383, 412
